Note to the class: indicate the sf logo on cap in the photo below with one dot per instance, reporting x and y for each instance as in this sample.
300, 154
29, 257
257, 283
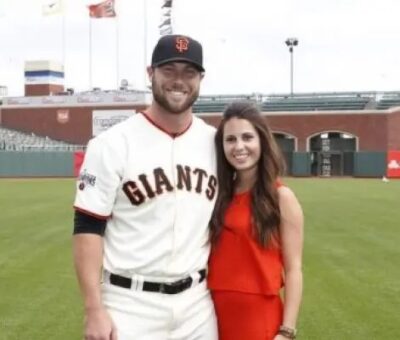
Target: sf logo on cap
182, 44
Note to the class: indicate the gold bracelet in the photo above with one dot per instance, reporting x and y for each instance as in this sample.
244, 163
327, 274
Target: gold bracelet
287, 332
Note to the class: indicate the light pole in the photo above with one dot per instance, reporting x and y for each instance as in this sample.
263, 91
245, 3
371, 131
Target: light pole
291, 42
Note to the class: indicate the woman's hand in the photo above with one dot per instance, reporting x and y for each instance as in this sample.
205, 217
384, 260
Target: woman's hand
280, 337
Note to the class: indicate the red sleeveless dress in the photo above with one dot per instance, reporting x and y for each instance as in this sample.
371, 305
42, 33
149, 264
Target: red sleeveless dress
245, 279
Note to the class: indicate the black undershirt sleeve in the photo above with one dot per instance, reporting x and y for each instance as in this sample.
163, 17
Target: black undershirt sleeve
86, 224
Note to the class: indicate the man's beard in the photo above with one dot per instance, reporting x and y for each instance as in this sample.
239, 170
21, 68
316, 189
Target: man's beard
163, 101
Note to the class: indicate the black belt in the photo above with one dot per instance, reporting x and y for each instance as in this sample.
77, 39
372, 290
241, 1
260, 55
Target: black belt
159, 287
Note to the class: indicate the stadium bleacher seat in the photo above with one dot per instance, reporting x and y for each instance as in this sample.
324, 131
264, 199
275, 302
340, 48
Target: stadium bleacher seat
12, 140
322, 101
388, 101
217, 103
315, 103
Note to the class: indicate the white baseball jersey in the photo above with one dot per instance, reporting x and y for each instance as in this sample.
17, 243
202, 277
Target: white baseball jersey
158, 193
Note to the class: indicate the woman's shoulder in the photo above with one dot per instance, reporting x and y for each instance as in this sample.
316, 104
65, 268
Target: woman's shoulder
288, 201
284, 192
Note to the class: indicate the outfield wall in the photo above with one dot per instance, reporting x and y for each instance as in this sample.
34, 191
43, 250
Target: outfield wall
66, 164
36, 164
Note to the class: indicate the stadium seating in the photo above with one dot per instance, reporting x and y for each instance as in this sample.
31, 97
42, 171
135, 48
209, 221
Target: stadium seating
213, 104
208, 107
298, 102
315, 103
12, 140
388, 100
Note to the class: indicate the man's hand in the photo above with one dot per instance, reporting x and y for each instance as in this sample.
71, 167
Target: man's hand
98, 325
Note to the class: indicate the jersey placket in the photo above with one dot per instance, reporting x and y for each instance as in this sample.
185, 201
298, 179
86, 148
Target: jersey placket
175, 231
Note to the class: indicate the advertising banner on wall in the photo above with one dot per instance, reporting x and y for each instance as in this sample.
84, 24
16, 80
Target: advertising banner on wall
104, 119
393, 164
63, 116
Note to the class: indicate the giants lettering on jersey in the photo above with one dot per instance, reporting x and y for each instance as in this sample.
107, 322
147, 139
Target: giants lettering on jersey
187, 179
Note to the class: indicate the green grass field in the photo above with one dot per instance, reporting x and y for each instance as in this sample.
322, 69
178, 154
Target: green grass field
351, 260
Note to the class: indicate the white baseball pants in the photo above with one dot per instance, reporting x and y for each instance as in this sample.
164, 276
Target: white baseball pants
140, 315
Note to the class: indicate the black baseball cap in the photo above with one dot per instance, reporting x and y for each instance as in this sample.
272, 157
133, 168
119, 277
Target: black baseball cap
178, 48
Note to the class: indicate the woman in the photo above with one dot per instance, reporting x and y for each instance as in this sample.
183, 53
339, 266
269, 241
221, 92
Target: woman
256, 233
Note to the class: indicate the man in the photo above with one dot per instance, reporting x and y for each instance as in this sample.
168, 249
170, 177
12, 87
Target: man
144, 198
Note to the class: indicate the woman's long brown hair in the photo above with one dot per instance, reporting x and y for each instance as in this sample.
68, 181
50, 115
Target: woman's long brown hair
266, 216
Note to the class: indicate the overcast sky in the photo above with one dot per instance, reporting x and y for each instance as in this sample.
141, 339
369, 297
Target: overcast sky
344, 45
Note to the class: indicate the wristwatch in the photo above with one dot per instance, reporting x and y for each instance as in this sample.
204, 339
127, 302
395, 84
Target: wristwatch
287, 332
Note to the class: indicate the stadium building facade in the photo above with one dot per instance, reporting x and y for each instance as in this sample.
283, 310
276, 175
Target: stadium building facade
347, 134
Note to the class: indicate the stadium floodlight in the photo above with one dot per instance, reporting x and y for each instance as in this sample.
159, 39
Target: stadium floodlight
291, 43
